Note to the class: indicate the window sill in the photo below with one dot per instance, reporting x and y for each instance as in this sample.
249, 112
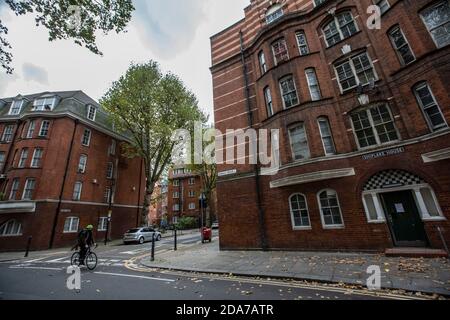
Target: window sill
301, 228
337, 227
376, 221
10, 235
379, 146
69, 232
434, 219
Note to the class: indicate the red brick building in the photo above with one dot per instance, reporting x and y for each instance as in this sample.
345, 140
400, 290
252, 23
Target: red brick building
61, 169
183, 193
364, 119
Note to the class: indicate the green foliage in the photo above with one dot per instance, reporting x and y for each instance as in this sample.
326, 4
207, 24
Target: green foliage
186, 223
149, 106
57, 15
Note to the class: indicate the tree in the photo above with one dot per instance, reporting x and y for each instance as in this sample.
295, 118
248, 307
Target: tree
207, 170
69, 19
149, 106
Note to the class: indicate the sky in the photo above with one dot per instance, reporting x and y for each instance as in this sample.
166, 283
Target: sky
173, 32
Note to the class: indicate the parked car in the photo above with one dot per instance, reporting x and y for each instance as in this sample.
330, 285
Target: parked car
141, 235
215, 225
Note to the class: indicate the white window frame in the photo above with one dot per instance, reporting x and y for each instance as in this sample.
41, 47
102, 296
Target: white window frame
355, 73
15, 185
107, 195
262, 62
35, 158
295, 90
16, 226
322, 137
373, 127
8, 132
26, 188
102, 224
176, 183
77, 190
294, 227
417, 195
31, 129
397, 49
45, 127
311, 85
294, 157
338, 27
274, 54
91, 112
47, 101
14, 108
437, 4
378, 2
23, 158
192, 206
112, 147
175, 195
71, 225
268, 101
422, 107
274, 13
110, 170
299, 45
82, 164
191, 193
88, 143
191, 181
176, 207
334, 226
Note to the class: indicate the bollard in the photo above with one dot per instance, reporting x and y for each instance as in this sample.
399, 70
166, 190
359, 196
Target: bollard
175, 240
153, 247
28, 246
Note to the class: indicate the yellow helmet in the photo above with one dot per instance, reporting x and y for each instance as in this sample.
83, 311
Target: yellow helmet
90, 227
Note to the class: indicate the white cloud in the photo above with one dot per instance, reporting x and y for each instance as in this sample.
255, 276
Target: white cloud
32, 72
168, 27
174, 32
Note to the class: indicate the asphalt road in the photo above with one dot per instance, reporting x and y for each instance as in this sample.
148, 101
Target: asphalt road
44, 276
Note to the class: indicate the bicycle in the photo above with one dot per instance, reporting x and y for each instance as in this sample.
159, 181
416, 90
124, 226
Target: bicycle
90, 259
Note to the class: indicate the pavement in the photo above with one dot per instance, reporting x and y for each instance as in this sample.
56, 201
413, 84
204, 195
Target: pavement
44, 275
431, 276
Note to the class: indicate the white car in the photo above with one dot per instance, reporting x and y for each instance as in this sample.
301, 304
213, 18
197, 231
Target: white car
141, 235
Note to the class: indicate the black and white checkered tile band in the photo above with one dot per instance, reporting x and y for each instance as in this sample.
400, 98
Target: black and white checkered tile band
392, 178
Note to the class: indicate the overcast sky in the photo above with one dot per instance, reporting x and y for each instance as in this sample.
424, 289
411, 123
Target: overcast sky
173, 32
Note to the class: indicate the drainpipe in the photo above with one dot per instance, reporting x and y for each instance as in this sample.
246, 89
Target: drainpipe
255, 167
58, 208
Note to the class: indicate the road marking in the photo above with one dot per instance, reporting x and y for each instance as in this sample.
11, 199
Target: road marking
114, 260
57, 260
38, 268
34, 260
134, 276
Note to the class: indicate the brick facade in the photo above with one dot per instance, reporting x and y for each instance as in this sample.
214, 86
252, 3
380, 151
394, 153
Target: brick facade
58, 171
257, 209
183, 196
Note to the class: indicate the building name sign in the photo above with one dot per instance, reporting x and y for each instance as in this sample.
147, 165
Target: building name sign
385, 153
227, 173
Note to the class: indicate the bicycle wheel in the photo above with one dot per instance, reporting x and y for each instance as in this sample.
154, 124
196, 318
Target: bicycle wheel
75, 259
91, 261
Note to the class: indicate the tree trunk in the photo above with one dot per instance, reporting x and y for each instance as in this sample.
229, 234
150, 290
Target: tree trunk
147, 201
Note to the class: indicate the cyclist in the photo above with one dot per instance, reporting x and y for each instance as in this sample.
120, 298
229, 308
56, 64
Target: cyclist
85, 240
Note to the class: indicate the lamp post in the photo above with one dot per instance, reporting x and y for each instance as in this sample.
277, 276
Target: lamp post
202, 199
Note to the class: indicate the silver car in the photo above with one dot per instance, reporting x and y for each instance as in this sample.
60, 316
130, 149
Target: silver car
141, 235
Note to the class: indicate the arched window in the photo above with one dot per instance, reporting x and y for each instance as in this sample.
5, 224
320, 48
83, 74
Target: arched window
11, 228
330, 210
341, 27
299, 212
274, 13
262, 62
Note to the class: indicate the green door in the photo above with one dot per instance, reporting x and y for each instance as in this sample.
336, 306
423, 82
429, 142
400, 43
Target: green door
404, 220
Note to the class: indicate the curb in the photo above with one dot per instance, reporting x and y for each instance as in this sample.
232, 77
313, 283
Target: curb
292, 277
